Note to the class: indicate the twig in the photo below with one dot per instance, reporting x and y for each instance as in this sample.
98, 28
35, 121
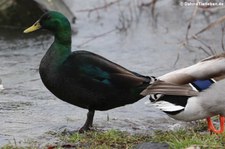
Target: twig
105, 6
151, 4
125, 22
206, 45
222, 37
211, 25
201, 48
188, 47
191, 19
177, 59
95, 37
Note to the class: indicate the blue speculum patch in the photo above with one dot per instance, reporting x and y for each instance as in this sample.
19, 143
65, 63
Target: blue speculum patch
201, 85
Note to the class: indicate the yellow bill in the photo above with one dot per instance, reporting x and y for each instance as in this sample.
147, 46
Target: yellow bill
34, 27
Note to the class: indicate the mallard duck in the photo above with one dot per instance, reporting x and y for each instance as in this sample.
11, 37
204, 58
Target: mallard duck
192, 93
82, 78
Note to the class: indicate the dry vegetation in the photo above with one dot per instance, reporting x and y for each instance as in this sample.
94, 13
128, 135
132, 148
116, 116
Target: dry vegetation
131, 15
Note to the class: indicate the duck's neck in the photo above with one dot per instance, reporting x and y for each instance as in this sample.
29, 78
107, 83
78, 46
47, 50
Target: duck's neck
59, 50
63, 37
61, 47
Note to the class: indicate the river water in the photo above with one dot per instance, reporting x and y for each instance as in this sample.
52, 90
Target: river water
123, 33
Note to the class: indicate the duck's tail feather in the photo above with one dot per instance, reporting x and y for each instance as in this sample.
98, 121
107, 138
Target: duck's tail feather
170, 104
168, 97
162, 87
168, 107
172, 98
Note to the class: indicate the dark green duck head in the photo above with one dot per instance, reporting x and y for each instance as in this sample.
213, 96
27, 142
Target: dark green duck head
56, 23
59, 26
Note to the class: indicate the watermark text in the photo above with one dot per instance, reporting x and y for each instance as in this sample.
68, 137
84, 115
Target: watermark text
204, 4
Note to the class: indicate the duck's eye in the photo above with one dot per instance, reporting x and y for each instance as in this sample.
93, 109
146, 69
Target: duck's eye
46, 17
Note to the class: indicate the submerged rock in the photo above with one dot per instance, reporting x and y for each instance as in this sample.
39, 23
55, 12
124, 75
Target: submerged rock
20, 13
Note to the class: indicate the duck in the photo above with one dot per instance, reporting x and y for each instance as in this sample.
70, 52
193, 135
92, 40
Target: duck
83, 78
192, 93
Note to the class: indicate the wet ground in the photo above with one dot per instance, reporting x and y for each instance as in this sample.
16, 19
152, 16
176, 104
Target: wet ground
122, 33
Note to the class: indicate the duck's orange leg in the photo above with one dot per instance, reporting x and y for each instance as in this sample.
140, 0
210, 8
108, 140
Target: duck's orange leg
212, 128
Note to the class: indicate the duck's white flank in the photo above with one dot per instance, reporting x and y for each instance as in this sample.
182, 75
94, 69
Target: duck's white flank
208, 103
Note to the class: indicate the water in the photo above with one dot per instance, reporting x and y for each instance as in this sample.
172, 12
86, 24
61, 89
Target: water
29, 112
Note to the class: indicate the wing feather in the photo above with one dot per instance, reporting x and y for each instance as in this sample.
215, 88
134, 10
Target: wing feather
92, 67
162, 87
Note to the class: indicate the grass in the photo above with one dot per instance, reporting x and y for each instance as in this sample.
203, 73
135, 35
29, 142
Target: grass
179, 139
113, 139
105, 139
183, 139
